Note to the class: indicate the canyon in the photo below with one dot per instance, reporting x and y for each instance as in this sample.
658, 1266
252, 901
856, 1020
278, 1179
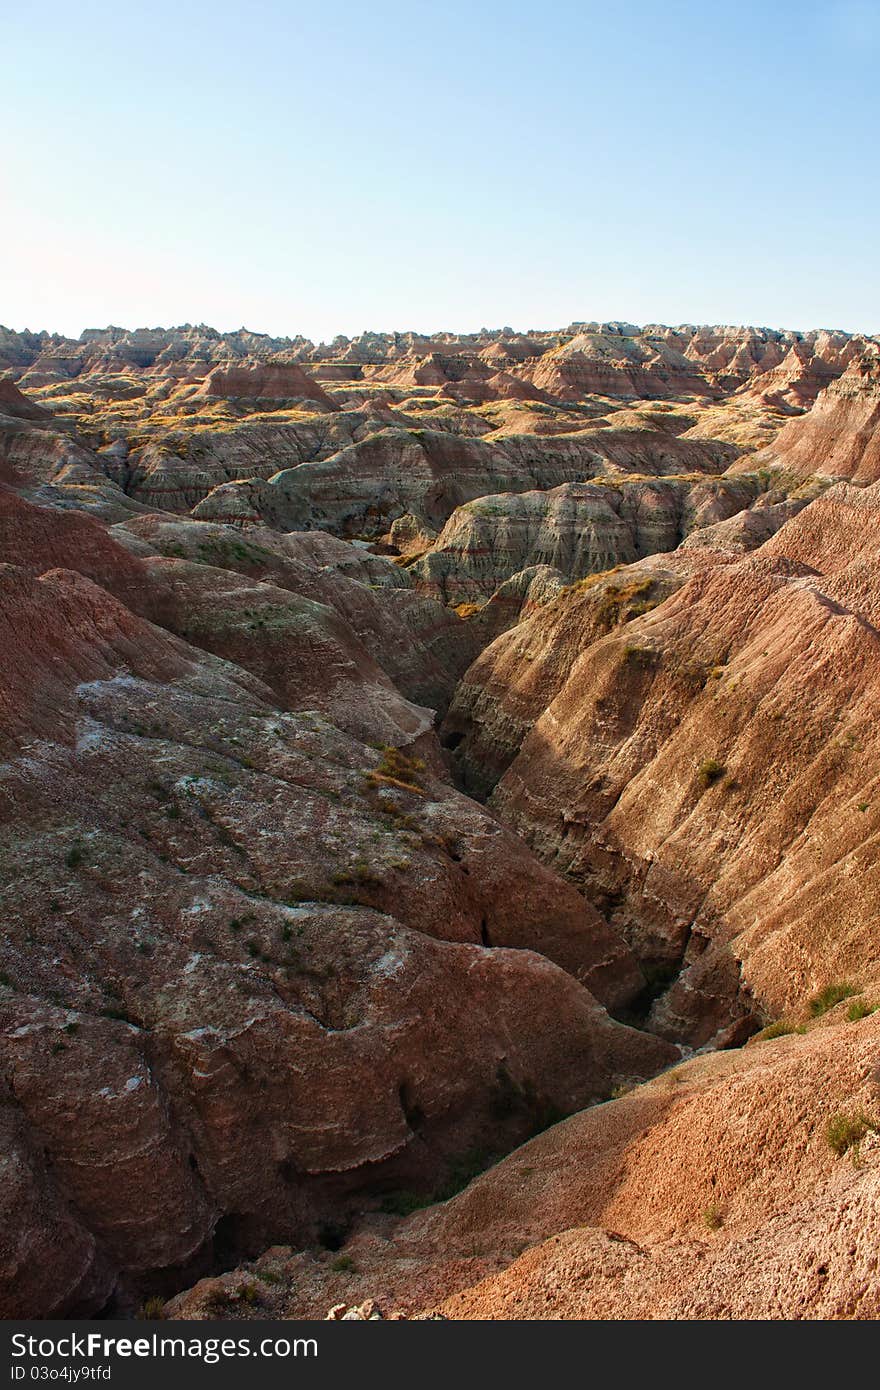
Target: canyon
439, 811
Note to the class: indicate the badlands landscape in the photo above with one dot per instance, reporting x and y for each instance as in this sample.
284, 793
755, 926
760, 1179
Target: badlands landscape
439, 823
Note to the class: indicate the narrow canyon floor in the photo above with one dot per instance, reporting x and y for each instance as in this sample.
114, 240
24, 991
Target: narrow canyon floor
439, 812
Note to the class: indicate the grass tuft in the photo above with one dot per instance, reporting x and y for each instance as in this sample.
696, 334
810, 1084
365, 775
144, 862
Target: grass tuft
152, 1309
709, 771
860, 1009
844, 1132
831, 995
780, 1029
713, 1217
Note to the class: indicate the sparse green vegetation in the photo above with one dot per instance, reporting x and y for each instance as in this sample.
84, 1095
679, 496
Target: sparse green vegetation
713, 1217
152, 1309
709, 771
617, 601
396, 769
644, 657
638, 610
845, 1132
831, 995
222, 552
74, 856
344, 1264
360, 874
780, 1029
860, 1008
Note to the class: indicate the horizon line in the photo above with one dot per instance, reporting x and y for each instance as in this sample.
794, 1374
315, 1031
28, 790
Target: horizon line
610, 327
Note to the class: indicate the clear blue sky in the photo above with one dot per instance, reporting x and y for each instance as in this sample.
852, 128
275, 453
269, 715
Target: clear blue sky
329, 167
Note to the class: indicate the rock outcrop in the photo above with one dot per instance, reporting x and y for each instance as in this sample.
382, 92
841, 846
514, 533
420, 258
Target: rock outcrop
361, 491
840, 437
424, 475
409, 742
577, 529
13, 402
274, 381
511, 684
246, 949
639, 779
719, 1190
423, 646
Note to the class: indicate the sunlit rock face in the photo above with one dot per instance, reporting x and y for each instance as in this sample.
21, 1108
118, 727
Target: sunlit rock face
405, 744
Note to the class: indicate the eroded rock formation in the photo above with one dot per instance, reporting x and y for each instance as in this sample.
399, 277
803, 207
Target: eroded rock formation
408, 742
711, 1192
840, 437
